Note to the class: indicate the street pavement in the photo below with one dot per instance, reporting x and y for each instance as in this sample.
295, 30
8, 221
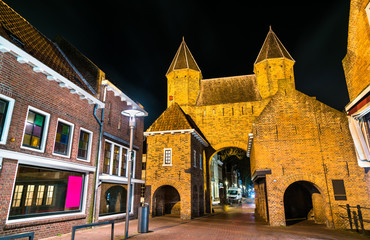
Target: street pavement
236, 222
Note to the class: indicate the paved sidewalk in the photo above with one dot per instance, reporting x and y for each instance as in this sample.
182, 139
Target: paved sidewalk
237, 223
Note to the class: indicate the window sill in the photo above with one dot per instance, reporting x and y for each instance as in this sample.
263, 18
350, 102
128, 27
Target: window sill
61, 155
12, 224
33, 149
167, 165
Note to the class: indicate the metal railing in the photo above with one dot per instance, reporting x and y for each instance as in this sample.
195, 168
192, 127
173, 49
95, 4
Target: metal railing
93, 225
30, 236
355, 218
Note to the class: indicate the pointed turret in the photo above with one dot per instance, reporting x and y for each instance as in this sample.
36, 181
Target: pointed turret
272, 48
183, 59
273, 67
183, 78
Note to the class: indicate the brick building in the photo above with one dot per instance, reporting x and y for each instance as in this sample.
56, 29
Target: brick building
52, 134
356, 66
303, 162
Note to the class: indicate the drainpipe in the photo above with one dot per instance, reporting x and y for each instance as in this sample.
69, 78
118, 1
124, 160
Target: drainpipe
97, 167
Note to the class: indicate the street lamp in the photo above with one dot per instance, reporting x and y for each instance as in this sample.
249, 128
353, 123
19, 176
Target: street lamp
132, 113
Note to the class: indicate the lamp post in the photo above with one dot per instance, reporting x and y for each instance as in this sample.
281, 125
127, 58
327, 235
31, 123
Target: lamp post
132, 113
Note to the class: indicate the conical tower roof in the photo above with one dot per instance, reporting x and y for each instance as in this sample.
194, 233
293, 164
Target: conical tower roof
272, 48
183, 59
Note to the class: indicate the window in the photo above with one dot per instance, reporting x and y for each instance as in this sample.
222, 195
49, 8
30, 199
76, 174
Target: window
35, 129
200, 161
107, 154
167, 157
17, 195
116, 156
339, 190
84, 145
113, 199
63, 138
115, 159
195, 158
6, 111
42, 191
124, 162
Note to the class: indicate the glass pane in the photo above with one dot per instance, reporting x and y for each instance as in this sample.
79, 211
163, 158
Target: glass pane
31, 117
48, 191
124, 162
3, 106
85, 137
65, 129
37, 131
59, 128
35, 142
27, 140
58, 137
29, 128
39, 120
64, 139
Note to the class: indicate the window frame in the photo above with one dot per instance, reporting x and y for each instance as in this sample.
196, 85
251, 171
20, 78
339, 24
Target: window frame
83, 201
45, 130
121, 147
338, 185
164, 157
8, 118
89, 150
70, 138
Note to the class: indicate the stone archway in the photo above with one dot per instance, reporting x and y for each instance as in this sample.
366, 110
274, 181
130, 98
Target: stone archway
218, 183
166, 200
303, 201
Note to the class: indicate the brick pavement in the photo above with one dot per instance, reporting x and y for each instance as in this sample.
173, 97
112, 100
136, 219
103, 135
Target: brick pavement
236, 223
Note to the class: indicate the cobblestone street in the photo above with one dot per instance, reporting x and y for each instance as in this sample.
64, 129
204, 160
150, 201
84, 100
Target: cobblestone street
237, 223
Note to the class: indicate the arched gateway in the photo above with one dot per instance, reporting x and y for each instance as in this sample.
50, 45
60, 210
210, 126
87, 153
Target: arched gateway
286, 134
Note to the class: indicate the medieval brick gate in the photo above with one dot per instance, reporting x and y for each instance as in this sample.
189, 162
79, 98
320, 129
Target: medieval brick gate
299, 148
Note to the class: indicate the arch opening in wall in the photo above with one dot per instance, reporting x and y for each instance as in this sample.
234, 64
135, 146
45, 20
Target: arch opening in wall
303, 201
230, 177
166, 201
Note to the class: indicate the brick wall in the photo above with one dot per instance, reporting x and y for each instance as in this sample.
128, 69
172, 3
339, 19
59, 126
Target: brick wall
301, 139
182, 175
356, 61
29, 88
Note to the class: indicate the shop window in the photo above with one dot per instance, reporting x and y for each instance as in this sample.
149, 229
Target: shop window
84, 145
113, 199
63, 138
42, 191
6, 110
35, 129
339, 190
167, 157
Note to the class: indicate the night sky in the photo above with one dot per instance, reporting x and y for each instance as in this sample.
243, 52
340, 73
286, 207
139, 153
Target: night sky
134, 42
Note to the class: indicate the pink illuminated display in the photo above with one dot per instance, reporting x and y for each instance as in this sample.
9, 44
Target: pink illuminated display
73, 192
